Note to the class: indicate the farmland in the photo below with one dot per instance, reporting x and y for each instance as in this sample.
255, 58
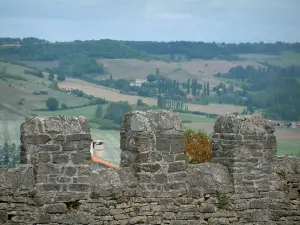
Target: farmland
23, 91
285, 59
115, 95
181, 71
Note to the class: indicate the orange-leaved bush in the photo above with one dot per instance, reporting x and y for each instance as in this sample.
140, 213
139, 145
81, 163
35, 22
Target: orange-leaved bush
198, 147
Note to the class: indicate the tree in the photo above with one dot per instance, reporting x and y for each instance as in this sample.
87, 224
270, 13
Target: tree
5, 151
99, 111
54, 85
157, 73
116, 111
51, 77
207, 89
151, 78
61, 77
52, 104
64, 106
139, 102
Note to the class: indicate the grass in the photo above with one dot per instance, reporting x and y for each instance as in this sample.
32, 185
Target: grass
24, 87
88, 112
10, 131
288, 147
283, 60
288, 140
41, 65
115, 95
195, 118
111, 140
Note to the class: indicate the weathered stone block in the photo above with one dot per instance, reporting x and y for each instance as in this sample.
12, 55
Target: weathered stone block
3, 216
144, 177
143, 158
177, 166
138, 220
151, 168
82, 179
169, 158
79, 187
58, 158
48, 168
60, 138
56, 208
35, 139
44, 157
49, 187
84, 170
78, 137
49, 148
163, 145
84, 124
69, 170
81, 158
63, 179
178, 145
160, 178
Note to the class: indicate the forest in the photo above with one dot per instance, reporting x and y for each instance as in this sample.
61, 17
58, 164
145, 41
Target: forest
277, 90
273, 89
36, 49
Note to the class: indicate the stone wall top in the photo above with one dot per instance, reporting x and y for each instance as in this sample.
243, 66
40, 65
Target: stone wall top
55, 124
152, 122
244, 125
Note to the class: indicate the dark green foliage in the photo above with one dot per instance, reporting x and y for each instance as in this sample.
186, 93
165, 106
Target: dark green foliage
273, 89
51, 76
20, 102
35, 49
34, 73
139, 102
151, 78
99, 111
9, 155
52, 104
116, 111
61, 77
64, 106
4, 74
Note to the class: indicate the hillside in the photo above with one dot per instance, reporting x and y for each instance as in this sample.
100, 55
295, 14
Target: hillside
181, 71
20, 92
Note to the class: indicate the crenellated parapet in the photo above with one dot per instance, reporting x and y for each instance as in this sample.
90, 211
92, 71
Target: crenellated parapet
57, 183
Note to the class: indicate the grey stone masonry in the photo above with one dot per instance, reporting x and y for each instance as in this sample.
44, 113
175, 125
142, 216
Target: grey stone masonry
152, 144
58, 148
246, 184
246, 145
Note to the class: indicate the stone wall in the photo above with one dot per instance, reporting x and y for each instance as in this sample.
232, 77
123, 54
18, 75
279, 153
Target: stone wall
245, 184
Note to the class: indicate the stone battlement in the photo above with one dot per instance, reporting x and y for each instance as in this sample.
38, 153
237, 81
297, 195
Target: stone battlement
246, 183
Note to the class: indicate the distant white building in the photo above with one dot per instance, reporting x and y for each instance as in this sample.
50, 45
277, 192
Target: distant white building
138, 82
68, 88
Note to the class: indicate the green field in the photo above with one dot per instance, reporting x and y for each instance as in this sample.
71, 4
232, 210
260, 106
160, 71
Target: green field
13, 91
196, 118
283, 60
111, 140
288, 147
88, 112
10, 131
41, 65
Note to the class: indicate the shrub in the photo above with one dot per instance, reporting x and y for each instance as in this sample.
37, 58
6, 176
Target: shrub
64, 106
52, 104
198, 147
